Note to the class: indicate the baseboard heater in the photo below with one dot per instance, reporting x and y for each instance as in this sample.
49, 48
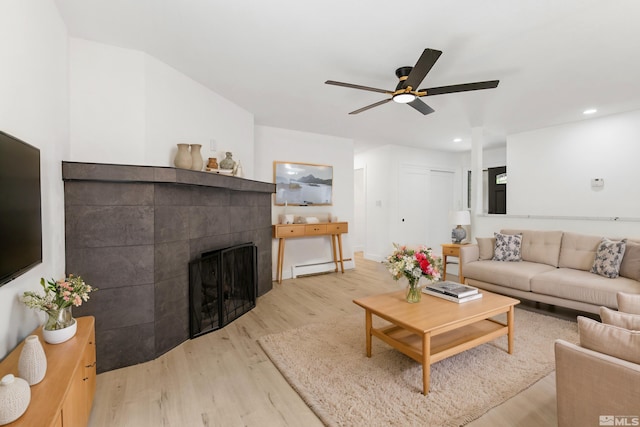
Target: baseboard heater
317, 268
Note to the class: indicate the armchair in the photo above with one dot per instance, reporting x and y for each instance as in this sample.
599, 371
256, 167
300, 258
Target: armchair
601, 377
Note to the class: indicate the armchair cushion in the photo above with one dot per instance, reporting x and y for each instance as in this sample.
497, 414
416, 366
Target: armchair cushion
629, 303
620, 319
608, 339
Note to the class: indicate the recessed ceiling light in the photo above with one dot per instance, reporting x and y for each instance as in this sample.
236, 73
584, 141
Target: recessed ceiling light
457, 140
590, 111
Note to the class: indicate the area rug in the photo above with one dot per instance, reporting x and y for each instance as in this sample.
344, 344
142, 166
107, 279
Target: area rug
326, 364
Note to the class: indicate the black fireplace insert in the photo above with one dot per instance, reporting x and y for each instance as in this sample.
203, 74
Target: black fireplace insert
222, 287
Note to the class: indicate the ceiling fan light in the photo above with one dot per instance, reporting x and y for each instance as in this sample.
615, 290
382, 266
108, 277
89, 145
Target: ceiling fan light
404, 98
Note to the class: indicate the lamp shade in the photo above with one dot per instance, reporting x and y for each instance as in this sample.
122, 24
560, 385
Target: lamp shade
460, 218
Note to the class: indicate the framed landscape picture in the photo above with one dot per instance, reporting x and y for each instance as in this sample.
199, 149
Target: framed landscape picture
303, 184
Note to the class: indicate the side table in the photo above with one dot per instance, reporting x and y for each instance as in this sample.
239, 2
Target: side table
451, 249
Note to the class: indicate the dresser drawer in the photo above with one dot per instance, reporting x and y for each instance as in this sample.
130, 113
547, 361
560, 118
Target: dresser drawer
280, 231
338, 227
313, 229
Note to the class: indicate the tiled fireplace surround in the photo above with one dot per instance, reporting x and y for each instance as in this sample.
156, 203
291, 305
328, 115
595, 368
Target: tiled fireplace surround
132, 230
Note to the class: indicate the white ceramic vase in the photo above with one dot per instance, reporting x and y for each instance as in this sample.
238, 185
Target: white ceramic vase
15, 396
196, 157
183, 157
58, 336
32, 365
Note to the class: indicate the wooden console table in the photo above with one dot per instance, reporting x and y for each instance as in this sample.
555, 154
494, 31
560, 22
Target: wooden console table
65, 396
289, 231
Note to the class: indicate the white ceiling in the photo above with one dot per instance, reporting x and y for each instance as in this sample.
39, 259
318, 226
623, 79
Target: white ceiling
554, 58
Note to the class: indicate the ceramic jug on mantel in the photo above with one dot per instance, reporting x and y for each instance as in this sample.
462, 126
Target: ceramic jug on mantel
183, 157
196, 157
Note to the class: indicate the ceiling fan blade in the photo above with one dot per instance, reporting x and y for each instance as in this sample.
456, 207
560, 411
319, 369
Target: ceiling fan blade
460, 88
372, 89
384, 101
421, 106
422, 67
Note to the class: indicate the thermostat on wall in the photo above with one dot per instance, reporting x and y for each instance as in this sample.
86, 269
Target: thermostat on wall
597, 182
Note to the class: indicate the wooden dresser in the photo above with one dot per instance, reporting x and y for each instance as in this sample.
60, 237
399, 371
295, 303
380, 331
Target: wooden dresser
335, 230
65, 396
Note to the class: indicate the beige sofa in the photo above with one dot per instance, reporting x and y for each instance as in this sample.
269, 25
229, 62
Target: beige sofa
598, 381
555, 269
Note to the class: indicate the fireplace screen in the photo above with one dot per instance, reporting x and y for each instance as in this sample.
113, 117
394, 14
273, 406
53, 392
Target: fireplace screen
222, 287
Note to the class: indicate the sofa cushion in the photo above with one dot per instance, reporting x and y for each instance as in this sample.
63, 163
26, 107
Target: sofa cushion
516, 275
507, 247
583, 286
629, 303
630, 266
486, 246
612, 340
578, 251
539, 246
620, 319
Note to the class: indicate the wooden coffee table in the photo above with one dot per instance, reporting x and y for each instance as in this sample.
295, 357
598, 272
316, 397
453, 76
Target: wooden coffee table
435, 328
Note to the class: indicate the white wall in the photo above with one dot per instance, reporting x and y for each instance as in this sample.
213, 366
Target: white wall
494, 157
34, 107
129, 108
377, 170
182, 110
549, 179
274, 144
107, 113
382, 170
548, 165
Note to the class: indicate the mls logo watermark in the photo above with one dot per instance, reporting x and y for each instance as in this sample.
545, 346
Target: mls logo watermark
619, 420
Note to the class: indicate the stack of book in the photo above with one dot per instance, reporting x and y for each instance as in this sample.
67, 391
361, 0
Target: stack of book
452, 291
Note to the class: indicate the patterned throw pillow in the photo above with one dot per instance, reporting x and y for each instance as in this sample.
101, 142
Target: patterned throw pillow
608, 258
507, 247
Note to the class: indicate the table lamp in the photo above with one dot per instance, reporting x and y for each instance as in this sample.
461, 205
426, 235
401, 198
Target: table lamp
459, 218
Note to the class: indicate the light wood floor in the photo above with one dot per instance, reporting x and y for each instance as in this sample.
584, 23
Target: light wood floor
225, 379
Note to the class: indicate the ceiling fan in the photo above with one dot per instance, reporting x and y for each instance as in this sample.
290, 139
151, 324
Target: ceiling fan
410, 78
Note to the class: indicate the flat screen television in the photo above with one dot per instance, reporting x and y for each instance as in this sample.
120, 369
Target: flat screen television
20, 210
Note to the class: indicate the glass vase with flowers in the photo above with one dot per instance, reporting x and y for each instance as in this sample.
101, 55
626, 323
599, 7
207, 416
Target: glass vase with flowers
414, 264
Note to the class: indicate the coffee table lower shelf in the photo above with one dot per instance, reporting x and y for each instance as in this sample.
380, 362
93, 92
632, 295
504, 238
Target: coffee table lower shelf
443, 345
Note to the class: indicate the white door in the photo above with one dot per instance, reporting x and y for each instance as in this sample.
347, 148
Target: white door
441, 193
413, 205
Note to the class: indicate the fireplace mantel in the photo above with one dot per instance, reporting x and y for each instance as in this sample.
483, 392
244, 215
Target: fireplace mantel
75, 171
131, 231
